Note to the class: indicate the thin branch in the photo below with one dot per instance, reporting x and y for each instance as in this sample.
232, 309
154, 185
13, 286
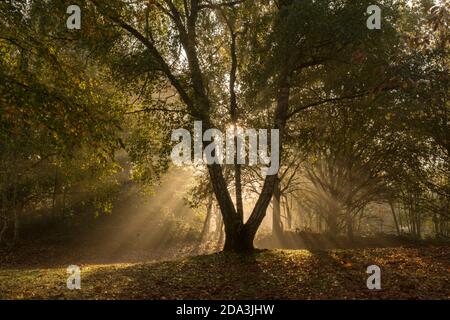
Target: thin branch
156, 109
222, 4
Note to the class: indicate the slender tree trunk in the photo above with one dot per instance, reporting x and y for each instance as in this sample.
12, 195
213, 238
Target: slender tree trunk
319, 223
218, 224
234, 118
16, 214
400, 220
221, 233
277, 227
3, 229
3, 215
349, 223
395, 217
436, 224
238, 185
332, 224
207, 222
419, 227
288, 212
55, 189
412, 229
17, 219
63, 204
310, 221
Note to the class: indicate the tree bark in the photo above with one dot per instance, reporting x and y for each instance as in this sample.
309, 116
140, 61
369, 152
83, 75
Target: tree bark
3, 229
16, 214
234, 119
332, 224
349, 223
395, 217
207, 223
221, 233
17, 217
55, 194
277, 227
287, 208
240, 240
3, 216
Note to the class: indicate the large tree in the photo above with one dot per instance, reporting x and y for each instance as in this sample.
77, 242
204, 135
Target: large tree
246, 63
233, 63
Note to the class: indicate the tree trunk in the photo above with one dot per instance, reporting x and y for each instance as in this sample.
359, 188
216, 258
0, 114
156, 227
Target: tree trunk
239, 240
349, 223
3, 208
218, 221
3, 229
419, 227
399, 216
277, 227
287, 208
240, 236
395, 217
332, 224
207, 223
17, 216
221, 233
238, 186
234, 118
230, 217
437, 230
55, 189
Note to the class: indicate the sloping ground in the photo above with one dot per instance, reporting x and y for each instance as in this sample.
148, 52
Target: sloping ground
406, 273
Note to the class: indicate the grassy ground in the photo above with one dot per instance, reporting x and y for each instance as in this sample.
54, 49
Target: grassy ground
406, 273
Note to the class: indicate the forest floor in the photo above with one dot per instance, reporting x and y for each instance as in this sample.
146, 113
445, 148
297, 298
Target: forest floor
406, 273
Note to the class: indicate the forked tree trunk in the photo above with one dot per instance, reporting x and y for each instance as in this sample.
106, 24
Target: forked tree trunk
240, 236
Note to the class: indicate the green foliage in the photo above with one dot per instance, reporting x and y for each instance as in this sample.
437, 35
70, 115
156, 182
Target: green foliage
59, 120
69, 99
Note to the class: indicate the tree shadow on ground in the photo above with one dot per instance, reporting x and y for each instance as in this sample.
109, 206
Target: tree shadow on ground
277, 274
324, 241
406, 273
